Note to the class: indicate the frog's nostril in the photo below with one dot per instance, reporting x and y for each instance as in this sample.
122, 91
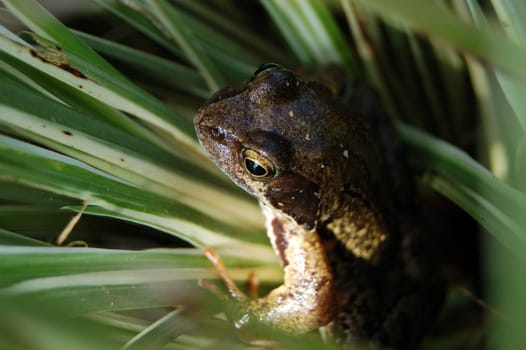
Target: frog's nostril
217, 133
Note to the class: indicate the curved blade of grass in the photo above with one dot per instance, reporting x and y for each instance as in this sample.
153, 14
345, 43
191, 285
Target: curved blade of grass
133, 285
46, 221
362, 30
503, 136
511, 15
110, 290
61, 92
330, 42
418, 96
289, 32
496, 206
181, 77
110, 96
21, 263
107, 148
311, 32
237, 26
19, 194
432, 90
386, 56
151, 177
216, 43
429, 18
142, 22
44, 169
163, 330
24, 327
513, 89
235, 62
515, 92
132, 325
8, 238
82, 71
177, 27
493, 219
39, 20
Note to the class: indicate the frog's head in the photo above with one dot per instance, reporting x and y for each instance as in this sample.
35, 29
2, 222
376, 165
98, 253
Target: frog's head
271, 135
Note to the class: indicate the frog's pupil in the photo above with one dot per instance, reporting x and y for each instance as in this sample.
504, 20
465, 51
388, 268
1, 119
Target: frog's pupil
254, 168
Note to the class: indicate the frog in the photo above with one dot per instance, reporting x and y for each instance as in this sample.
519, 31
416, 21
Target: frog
339, 200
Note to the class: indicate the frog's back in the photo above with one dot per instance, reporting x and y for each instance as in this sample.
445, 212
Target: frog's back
393, 294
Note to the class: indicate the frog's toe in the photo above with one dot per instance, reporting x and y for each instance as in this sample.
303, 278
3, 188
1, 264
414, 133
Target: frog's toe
235, 293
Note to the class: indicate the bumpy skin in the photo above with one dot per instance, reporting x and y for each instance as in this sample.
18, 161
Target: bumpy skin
338, 205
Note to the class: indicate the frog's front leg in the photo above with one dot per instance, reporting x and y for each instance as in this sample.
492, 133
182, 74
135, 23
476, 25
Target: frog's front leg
305, 300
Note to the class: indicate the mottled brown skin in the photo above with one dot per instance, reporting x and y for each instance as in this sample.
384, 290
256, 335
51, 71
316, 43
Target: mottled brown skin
338, 202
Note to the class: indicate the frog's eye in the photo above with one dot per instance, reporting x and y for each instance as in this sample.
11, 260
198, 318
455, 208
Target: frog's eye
258, 166
265, 68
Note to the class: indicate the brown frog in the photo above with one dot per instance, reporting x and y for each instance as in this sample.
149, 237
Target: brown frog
338, 201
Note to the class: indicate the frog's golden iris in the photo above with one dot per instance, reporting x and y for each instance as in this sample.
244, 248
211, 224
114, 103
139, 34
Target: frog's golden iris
258, 166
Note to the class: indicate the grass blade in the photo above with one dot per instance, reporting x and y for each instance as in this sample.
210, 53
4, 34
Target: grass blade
494, 204
109, 196
181, 77
311, 32
175, 25
429, 18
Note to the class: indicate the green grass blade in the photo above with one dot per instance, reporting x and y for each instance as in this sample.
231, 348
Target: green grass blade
14, 193
494, 204
104, 280
178, 28
513, 88
429, 18
224, 52
362, 28
107, 148
331, 44
63, 261
220, 46
311, 32
39, 20
8, 238
237, 26
109, 196
142, 22
61, 92
171, 73
111, 89
496, 221
24, 327
289, 31
178, 75
162, 331
511, 15
515, 92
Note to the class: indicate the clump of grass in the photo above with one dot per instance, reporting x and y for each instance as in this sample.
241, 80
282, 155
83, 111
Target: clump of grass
75, 130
